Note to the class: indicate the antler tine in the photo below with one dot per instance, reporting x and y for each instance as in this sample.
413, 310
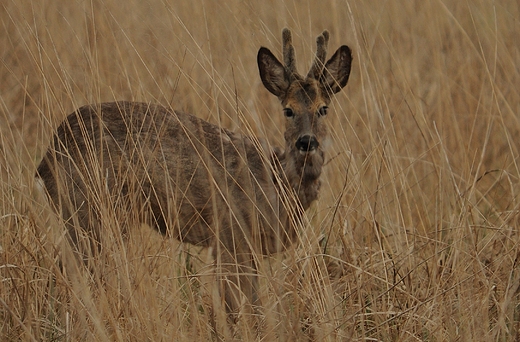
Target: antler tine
322, 42
289, 57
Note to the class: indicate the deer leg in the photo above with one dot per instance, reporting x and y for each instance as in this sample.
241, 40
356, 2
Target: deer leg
238, 280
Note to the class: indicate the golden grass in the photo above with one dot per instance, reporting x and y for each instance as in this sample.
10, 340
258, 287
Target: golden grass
415, 236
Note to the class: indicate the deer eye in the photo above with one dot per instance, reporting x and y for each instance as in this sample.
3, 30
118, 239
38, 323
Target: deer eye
323, 110
288, 112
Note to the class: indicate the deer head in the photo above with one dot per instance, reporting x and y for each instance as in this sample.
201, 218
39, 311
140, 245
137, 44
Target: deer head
305, 103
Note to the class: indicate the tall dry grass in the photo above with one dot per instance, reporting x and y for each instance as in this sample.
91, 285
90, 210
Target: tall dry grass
415, 236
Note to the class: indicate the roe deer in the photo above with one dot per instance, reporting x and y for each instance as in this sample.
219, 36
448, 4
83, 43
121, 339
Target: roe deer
195, 181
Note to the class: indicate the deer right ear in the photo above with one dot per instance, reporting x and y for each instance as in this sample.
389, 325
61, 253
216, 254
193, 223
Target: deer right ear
272, 73
337, 70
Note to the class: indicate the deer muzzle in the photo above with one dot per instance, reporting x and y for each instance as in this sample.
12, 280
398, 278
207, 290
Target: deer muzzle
307, 143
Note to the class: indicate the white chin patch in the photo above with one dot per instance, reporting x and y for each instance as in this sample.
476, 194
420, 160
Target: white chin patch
310, 153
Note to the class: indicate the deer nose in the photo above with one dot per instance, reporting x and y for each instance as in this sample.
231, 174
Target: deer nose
307, 143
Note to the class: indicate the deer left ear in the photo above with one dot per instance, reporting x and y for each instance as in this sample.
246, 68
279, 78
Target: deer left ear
272, 73
337, 70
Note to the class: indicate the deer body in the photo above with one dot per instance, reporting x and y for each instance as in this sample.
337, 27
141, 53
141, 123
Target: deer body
195, 181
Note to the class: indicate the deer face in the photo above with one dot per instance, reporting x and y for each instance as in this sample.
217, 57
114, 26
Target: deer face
304, 109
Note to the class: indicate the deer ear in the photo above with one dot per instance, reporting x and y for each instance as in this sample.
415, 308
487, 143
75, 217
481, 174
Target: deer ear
272, 73
337, 70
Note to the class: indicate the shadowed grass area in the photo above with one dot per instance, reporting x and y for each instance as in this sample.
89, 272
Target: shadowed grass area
415, 235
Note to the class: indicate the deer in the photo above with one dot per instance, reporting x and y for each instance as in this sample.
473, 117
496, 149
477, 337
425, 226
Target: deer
195, 181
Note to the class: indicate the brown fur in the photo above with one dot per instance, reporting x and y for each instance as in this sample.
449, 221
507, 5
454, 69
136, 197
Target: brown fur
195, 181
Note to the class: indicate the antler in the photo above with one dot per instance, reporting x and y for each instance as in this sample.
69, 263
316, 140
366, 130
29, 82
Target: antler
289, 58
322, 42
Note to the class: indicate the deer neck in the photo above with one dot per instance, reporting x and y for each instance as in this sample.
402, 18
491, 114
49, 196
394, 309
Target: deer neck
302, 172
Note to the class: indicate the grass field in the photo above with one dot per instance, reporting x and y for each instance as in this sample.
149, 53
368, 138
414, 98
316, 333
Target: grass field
416, 233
